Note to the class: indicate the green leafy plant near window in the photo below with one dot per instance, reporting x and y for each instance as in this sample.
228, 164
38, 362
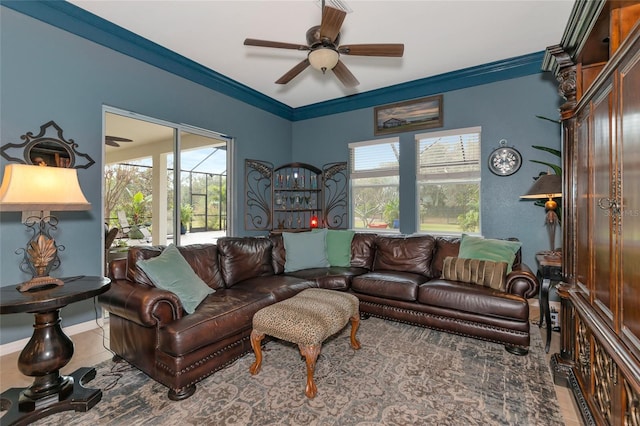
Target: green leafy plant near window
186, 213
391, 211
550, 166
138, 212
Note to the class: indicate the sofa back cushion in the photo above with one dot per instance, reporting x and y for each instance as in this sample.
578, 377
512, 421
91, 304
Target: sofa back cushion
203, 259
242, 258
445, 247
363, 250
407, 254
278, 254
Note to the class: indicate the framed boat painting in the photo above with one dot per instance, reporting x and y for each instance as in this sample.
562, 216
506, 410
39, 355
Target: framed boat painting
407, 116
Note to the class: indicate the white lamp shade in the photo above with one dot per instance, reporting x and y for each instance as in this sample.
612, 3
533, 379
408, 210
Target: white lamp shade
26, 187
323, 58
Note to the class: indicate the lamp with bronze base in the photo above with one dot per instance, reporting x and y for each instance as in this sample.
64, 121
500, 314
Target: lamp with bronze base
35, 191
548, 186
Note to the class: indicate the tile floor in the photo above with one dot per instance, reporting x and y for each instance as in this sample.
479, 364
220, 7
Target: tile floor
91, 349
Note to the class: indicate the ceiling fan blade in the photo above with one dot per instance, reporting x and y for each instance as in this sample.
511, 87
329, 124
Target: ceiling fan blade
276, 44
344, 75
111, 143
331, 22
116, 139
293, 72
382, 49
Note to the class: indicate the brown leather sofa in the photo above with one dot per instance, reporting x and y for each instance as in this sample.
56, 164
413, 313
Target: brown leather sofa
394, 277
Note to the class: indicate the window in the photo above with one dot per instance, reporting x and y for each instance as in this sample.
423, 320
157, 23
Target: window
448, 183
374, 180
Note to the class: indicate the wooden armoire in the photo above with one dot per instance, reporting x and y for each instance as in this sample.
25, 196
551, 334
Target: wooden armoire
597, 65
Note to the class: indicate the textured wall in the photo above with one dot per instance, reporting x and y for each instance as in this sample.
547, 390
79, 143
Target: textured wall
49, 74
505, 110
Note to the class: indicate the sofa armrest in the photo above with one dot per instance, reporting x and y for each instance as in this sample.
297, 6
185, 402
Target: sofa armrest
146, 306
522, 281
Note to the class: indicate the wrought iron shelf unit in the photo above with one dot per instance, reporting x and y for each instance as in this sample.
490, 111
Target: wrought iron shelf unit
289, 197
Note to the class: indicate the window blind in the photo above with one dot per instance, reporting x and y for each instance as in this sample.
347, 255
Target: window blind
374, 159
448, 157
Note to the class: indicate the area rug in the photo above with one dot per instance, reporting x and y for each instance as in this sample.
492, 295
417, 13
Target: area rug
402, 375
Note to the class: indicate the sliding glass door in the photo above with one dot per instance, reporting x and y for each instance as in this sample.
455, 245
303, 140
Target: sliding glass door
163, 183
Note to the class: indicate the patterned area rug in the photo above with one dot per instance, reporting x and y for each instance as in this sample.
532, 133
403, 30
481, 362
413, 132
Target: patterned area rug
403, 375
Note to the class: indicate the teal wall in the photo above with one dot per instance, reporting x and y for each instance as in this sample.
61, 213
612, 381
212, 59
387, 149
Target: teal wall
47, 73
505, 110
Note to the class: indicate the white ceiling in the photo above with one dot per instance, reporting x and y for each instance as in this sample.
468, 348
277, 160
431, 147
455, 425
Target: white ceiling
439, 37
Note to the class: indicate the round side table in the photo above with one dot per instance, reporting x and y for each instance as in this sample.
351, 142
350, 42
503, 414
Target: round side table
48, 351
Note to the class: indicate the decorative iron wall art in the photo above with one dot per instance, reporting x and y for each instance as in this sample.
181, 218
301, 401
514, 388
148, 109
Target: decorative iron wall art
335, 191
295, 196
258, 196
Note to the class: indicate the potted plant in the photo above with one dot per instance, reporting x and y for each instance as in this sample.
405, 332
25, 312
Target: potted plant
186, 213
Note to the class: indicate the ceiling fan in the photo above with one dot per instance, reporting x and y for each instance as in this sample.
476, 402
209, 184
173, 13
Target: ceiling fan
324, 49
113, 140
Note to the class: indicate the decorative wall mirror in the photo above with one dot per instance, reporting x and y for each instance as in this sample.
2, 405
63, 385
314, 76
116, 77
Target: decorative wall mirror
47, 148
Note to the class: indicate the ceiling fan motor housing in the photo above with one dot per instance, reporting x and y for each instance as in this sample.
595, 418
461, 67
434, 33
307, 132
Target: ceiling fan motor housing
313, 37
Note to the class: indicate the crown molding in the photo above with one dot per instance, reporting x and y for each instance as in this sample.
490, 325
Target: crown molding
78, 21
488, 73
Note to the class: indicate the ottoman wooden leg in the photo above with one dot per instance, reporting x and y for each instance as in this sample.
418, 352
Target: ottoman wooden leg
310, 352
256, 338
355, 323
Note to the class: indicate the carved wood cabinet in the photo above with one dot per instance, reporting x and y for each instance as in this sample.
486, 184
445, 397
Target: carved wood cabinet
295, 196
597, 66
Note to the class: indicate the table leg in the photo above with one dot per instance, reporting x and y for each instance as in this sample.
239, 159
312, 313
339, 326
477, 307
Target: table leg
48, 351
545, 312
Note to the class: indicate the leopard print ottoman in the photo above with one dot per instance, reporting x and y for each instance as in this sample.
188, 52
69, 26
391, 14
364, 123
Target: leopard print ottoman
306, 319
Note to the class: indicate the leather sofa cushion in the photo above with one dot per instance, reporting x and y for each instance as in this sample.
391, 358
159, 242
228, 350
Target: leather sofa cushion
473, 298
389, 284
242, 258
278, 254
474, 271
333, 278
203, 259
363, 250
445, 247
281, 287
225, 313
408, 254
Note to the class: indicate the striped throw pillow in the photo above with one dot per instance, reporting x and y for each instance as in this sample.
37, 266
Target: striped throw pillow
474, 271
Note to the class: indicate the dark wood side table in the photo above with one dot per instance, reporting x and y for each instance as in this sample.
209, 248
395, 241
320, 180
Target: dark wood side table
549, 272
47, 352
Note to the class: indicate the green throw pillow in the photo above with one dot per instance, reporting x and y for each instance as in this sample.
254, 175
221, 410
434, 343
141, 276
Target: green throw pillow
170, 271
339, 246
305, 250
488, 249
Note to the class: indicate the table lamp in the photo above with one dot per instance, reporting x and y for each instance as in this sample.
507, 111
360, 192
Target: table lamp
35, 191
548, 186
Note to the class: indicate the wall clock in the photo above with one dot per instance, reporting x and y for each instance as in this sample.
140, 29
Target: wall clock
505, 160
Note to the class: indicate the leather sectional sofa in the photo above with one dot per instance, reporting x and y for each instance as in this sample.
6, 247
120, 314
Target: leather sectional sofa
394, 277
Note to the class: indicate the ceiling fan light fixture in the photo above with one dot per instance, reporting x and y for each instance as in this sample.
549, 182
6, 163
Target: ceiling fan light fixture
323, 58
